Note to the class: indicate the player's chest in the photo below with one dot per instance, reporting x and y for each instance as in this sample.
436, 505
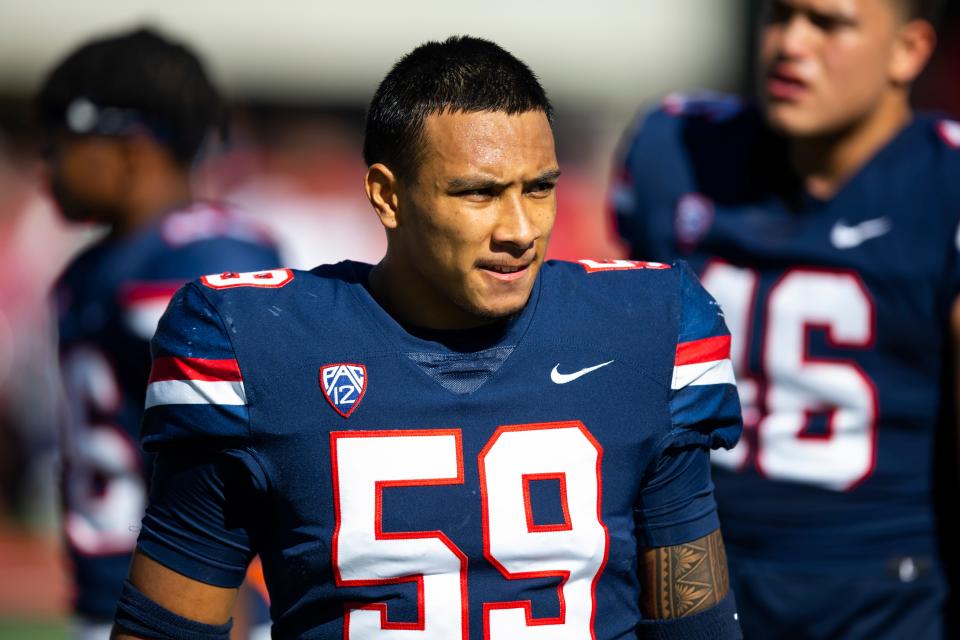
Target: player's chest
426, 451
884, 237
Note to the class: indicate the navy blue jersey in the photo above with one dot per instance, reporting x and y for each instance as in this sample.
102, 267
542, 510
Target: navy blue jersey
493, 481
111, 298
838, 311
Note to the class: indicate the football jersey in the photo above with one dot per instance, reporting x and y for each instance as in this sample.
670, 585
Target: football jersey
401, 482
838, 310
110, 299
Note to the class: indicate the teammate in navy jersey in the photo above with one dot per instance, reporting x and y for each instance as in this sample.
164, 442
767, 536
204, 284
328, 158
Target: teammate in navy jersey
824, 222
454, 442
125, 116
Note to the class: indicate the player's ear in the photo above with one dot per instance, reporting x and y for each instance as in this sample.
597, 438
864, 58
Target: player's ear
381, 186
912, 50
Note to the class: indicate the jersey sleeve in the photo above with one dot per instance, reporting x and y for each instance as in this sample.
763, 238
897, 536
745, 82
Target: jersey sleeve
677, 502
206, 483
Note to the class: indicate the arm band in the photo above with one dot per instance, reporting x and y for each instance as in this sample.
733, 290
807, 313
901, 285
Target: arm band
716, 623
140, 616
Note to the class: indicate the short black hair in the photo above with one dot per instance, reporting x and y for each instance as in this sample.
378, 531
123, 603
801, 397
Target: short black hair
460, 74
110, 84
929, 10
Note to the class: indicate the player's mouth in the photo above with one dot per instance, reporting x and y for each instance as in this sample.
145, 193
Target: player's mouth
505, 271
785, 85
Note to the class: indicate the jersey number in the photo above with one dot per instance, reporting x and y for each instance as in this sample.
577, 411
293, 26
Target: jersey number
104, 490
781, 400
273, 279
365, 463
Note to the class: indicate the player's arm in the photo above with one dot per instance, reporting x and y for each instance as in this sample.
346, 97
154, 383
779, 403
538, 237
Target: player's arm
192, 600
684, 579
196, 538
683, 567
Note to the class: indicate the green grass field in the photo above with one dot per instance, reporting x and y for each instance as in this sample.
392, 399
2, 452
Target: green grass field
12, 629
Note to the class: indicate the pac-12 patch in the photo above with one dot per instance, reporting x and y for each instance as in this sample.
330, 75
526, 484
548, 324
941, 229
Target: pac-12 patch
343, 385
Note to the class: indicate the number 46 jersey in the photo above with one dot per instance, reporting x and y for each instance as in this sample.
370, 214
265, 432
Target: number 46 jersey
402, 483
839, 313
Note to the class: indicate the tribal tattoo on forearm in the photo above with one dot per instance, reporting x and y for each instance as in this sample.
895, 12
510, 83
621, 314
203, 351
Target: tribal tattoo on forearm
684, 579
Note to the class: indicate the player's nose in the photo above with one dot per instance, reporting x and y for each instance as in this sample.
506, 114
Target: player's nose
516, 227
796, 36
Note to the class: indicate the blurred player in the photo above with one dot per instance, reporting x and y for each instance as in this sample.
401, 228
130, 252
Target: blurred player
452, 442
125, 117
824, 222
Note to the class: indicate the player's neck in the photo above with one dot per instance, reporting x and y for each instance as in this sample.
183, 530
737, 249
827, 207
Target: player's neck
150, 199
826, 163
412, 301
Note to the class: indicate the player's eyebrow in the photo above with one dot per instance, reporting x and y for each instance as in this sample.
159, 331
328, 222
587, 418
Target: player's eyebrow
472, 183
836, 16
550, 175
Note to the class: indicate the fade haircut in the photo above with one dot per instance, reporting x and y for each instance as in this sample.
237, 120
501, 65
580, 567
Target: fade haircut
134, 81
460, 74
929, 10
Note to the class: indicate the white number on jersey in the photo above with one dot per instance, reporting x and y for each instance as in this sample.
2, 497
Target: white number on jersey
575, 551
105, 493
797, 385
273, 279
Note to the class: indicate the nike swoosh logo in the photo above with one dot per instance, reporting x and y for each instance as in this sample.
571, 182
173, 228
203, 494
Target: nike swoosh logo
564, 378
844, 236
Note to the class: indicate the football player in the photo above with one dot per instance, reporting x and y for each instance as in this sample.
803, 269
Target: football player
458, 441
125, 117
824, 222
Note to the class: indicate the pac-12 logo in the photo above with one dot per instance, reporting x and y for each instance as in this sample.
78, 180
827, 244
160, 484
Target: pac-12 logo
343, 385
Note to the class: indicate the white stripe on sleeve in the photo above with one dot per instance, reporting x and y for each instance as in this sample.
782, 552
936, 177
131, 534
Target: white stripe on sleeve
195, 392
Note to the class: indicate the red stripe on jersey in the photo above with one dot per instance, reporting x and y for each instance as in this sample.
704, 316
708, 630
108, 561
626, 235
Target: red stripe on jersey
706, 350
173, 368
148, 291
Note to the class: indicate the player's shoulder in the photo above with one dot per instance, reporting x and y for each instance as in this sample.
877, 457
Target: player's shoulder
202, 221
251, 291
646, 311
943, 134
939, 131
698, 114
199, 238
618, 290
933, 142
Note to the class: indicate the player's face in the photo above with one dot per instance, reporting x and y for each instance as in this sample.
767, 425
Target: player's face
826, 64
479, 211
86, 177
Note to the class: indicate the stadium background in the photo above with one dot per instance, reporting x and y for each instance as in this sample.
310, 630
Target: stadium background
298, 74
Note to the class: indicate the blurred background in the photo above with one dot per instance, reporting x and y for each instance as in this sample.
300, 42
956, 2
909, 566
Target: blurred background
298, 74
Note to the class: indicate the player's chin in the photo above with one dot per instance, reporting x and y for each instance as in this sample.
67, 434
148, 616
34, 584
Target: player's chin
792, 120
499, 299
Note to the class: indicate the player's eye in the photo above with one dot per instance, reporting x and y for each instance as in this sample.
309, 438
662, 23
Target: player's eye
477, 195
778, 13
827, 23
542, 189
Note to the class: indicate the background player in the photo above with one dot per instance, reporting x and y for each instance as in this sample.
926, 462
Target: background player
125, 117
825, 224
453, 441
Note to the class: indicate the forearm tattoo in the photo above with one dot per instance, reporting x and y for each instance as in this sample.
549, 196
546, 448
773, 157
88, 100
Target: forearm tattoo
684, 579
